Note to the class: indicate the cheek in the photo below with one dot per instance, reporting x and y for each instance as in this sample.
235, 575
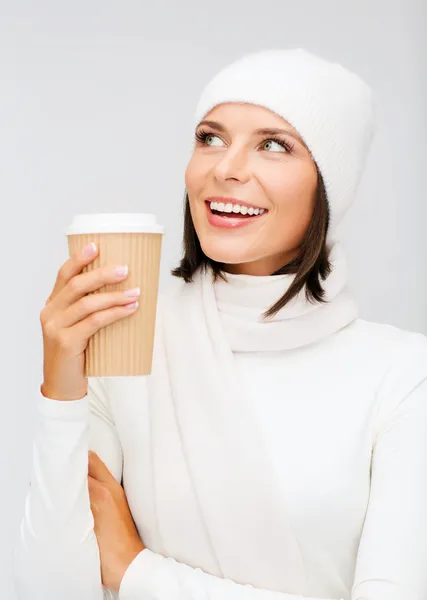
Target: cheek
195, 175
292, 192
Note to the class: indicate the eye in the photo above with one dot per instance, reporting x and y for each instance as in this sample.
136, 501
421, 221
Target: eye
203, 137
283, 145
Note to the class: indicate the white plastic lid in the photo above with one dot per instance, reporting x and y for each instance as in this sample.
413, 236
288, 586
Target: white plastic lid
114, 223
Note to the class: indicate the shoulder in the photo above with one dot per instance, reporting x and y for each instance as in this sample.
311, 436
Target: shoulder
176, 290
386, 344
377, 350
172, 286
381, 364
399, 344
166, 296
402, 385
384, 335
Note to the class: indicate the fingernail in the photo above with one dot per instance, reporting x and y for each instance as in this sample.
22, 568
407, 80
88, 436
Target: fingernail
133, 292
122, 270
89, 250
132, 305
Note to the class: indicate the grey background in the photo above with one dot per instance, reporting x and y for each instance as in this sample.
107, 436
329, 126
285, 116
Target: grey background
96, 101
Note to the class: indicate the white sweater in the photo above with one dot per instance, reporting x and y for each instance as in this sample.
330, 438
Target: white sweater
345, 423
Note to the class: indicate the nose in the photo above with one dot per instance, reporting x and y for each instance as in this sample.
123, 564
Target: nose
233, 165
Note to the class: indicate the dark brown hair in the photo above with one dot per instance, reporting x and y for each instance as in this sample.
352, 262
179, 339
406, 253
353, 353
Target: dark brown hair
311, 265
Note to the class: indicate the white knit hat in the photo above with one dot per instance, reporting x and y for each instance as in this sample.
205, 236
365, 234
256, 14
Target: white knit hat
330, 107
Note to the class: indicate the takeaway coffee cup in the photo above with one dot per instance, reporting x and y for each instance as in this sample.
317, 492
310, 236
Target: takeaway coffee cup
125, 347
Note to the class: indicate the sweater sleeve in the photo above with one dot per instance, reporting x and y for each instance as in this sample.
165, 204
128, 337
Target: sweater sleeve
155, 577
56, 553
391, 562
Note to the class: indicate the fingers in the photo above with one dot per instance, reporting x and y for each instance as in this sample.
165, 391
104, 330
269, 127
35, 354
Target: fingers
93, 303
72, 337
73, 266
99, 470
85, 283
95, 491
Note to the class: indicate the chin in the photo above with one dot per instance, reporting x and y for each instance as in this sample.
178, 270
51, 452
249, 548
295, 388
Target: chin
227, 255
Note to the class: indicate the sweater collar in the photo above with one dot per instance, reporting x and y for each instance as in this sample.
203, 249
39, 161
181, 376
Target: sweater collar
242, 299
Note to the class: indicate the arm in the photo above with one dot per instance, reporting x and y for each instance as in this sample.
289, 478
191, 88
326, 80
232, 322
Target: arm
153, 576
56, 553
392, 555
393, 550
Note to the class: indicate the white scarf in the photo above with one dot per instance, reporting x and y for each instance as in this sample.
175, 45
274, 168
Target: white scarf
199, 326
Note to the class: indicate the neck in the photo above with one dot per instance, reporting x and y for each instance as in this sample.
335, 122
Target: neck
262, 267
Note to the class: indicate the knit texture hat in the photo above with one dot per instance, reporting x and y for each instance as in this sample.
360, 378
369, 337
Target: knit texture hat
331, 108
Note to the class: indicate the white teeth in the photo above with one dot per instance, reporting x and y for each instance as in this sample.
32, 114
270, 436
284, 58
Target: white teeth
236, 208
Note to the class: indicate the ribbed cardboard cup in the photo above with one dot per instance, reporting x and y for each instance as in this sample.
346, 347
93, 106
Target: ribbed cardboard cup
125, 347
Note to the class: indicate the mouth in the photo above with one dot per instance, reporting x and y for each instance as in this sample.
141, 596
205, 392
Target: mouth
231, 220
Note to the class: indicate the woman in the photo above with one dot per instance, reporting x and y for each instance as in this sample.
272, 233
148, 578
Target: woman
279, 448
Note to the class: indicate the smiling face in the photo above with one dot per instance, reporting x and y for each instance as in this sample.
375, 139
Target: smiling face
258, 170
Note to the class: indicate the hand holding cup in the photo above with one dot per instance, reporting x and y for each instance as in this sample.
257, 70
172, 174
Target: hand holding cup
73, 314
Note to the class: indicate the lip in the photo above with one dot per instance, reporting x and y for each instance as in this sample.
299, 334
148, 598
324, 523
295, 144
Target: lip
229, 222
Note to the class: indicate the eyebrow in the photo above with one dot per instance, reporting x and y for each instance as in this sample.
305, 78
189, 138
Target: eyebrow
261, 131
